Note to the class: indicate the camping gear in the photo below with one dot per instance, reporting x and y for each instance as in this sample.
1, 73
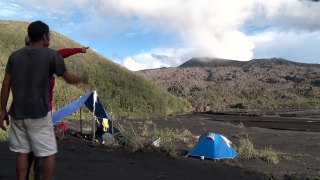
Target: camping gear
60, 130
94, 106
102, 129
213, 146
105, 124
102, 125
107, 139
62, 125
156, 143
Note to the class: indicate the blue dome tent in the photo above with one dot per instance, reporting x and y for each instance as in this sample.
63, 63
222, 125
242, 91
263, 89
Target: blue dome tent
213, 146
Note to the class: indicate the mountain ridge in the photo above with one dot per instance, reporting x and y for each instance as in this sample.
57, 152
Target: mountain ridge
254, 85
218, 62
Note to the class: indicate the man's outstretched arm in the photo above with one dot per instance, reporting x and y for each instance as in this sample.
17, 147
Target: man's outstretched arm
74, 79
66, 52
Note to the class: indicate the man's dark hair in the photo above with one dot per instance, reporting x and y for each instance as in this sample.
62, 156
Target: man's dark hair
36, 30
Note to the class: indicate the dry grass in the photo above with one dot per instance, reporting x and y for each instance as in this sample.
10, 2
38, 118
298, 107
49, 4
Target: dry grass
142, 139
185, 136
130, 139
247, 150
295, 176
270, 155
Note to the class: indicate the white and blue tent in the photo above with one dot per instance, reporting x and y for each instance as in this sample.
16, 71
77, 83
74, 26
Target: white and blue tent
92, 102
213, 146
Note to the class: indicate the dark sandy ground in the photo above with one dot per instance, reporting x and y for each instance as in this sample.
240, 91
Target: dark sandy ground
78, 160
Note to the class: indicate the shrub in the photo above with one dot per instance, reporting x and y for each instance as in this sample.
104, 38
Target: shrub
246, 149
185, 136
133, 141
130, 139
270, 155
167, 143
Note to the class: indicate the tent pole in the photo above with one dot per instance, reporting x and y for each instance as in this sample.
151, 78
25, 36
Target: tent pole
94, 115
80, 120
111, 122
111, 128
94, 129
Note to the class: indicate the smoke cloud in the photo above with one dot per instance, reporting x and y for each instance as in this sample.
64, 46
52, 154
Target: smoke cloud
208, 28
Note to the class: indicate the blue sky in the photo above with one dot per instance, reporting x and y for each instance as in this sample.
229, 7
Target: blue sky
141, 34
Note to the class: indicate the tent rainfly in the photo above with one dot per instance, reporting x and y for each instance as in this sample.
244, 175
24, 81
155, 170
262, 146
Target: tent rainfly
92, 103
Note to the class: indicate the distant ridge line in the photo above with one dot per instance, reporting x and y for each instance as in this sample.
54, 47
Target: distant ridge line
218, 62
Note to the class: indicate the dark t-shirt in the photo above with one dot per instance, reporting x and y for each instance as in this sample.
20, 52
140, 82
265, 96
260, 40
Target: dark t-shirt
31, 70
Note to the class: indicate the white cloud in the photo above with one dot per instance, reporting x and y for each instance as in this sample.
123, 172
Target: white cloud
296, 46
289, 14
157, 58
5, 13
9, 10
213, 28
71, 24
131, 64
209, 27
24, 10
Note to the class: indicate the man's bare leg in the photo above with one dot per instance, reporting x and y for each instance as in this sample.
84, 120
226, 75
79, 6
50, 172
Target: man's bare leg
22, 165
31, 158
48, 165
37, 168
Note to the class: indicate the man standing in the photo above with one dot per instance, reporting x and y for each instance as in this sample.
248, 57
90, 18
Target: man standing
65, 52
28, 74
34, 169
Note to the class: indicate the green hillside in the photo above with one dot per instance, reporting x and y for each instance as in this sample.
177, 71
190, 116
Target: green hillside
124, 93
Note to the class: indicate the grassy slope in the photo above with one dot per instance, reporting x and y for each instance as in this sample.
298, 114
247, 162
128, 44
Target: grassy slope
123, 93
